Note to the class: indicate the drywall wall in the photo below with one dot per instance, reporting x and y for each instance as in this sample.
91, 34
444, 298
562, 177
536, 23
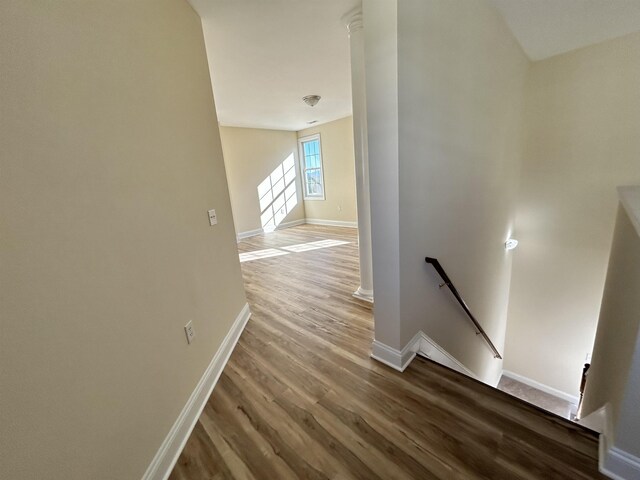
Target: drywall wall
338, 162
460, 128
110, 160
627, 429
582, 122
618, 332
252, 157
381, 62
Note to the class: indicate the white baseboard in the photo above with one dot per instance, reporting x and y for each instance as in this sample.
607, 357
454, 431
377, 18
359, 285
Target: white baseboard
260, 231
573, 399
430, 349
618, 464
311, 221
166, 457
396, 359
420, 344
292, 223
612, 461
366, 295
248, 233
331, 223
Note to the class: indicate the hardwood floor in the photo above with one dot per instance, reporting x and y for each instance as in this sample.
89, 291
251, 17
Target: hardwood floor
300, 397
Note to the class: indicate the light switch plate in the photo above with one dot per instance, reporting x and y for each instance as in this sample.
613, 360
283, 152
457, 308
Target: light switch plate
189, 332
213, 219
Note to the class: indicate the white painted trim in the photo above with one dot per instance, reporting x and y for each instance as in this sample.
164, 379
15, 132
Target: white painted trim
630, 200
612, 461
620, 465
420, 344
595, 421
166, 457
430, 349
301, 141
260, 231
396, 359
292, 223
311, 221
362, 294
249, 233
573, 399
331, 223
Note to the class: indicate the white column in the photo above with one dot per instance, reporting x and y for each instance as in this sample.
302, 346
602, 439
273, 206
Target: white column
353, 21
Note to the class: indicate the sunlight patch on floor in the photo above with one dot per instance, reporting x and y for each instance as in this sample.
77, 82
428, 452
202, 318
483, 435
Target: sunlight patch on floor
299, 248
259, 254
305, 247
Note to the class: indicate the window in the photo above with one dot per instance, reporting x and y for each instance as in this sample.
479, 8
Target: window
311, 164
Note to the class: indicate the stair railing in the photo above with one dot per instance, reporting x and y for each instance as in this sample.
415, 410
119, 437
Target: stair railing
454, 290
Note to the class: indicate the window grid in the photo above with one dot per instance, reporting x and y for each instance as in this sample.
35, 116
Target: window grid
312, 174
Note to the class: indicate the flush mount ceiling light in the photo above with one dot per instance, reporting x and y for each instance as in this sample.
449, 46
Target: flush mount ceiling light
511, 244
311, 100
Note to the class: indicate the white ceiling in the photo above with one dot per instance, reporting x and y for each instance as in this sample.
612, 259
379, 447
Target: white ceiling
265, 55
548, 27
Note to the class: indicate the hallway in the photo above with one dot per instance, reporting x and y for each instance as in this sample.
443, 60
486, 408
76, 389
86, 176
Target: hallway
300, 397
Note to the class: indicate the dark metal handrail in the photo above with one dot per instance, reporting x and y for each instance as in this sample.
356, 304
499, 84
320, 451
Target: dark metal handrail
454, 290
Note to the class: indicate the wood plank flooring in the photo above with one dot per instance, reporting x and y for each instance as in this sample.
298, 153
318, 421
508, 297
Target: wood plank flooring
300, 397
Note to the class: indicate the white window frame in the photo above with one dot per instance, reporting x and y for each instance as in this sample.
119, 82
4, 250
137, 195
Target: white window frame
303, 166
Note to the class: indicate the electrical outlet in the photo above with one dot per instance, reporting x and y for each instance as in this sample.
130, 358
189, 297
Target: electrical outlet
213, 218
189, 331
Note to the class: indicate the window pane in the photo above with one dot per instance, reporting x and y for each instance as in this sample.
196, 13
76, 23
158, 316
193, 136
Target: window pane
311, 153
313, 180
312, 169
309, 182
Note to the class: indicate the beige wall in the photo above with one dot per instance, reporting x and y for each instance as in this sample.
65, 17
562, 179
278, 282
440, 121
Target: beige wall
619, 323
338, 163
460, 129
110, 159
381, 71
251, 155
614, 377
582, 124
